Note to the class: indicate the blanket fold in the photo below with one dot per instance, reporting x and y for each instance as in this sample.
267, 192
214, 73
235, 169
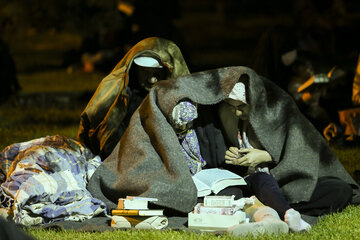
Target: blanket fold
148, 160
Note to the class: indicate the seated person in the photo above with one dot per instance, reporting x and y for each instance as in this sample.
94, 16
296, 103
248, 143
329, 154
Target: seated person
108, 113
149, 160
260, 182
8, 76
321, 37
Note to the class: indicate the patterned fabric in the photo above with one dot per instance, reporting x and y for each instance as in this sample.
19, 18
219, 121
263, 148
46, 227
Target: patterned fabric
46, 181
183, 114
191, 150
243, 140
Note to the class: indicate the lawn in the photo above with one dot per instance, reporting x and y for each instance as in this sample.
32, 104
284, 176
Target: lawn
22, 122
344, 225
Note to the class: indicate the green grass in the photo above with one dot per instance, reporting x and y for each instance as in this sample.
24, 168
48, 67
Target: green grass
26, 123
343, 225
59, 81
37, 52
350, 158
33, 50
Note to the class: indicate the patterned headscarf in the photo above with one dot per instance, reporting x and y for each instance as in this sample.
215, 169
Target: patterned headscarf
183, 114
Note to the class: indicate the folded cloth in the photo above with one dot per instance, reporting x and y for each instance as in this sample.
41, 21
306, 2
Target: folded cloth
46, 181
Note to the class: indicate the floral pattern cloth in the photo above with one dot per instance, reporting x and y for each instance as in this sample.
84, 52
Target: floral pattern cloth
183, 115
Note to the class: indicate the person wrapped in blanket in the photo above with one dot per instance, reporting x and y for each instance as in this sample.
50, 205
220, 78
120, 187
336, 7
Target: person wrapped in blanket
44, 181
247, 152
107, 115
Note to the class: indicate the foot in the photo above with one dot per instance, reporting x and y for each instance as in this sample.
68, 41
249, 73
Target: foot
259, 228
295, 222
266, 221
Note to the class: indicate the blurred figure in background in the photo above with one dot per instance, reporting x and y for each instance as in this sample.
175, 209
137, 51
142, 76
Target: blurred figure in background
320, 38
346, 132
8, 79
123, 25
151, 18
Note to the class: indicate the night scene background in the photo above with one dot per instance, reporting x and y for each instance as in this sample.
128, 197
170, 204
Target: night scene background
55, 53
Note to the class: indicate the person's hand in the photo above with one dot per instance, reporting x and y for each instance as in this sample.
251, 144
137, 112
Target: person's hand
248, 157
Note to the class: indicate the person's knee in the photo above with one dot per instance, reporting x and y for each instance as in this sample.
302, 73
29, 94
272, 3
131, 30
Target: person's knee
345, 192
261, 177
341, 194
261, 183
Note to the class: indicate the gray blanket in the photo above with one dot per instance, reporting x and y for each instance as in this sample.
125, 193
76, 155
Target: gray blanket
148, 160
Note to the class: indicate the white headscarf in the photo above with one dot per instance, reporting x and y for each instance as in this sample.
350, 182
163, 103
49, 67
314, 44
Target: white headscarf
238, 92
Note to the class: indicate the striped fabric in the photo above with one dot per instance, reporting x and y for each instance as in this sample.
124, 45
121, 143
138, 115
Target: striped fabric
46, 181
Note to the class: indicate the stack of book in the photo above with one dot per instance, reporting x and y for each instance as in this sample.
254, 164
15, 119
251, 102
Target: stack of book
217, 213
134, 212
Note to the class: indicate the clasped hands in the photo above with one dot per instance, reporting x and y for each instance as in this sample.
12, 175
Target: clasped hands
248, 157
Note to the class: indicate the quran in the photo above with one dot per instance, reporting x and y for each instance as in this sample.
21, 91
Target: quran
214, 180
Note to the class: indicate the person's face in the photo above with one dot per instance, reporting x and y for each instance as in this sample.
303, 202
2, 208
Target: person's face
148, 76
239, 108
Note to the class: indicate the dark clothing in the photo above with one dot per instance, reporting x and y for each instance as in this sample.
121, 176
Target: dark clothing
267, 190
213, 145
9, 231
324, 200
8, 79
264, 187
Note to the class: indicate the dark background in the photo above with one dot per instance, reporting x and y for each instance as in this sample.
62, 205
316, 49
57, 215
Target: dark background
210, 33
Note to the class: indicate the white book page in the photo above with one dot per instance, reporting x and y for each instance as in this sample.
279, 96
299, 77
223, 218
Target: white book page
202, 188
214, 175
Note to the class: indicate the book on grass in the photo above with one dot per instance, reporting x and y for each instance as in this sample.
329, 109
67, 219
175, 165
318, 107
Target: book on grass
137, 212
131, 202
227, 201
214, 180
139, 222
200, 208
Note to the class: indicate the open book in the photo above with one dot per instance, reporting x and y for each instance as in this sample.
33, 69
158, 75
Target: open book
214, 180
